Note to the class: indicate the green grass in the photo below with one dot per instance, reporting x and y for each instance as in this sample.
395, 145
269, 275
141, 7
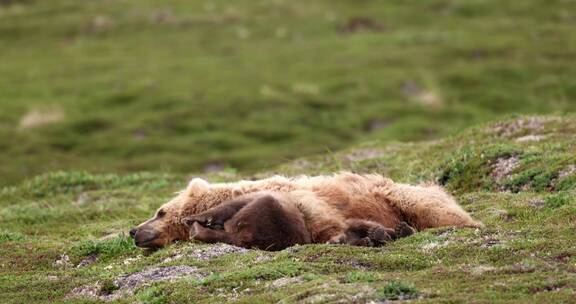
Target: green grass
397, 291
182, 86
108, 107
525, 253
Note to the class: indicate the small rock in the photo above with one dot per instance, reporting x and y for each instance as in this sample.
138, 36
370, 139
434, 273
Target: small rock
63, 261
87, 261
530, 137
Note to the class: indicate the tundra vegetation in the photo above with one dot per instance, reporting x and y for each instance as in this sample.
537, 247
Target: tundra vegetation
108, 107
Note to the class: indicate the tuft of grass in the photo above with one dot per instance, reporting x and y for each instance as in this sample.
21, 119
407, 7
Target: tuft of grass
7, 236
557, 201
359, 277
397, 291
105, 249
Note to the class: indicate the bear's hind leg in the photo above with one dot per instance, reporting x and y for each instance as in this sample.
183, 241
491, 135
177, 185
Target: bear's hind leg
367, 233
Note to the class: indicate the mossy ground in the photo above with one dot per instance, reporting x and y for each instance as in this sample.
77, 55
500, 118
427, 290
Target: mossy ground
526, 253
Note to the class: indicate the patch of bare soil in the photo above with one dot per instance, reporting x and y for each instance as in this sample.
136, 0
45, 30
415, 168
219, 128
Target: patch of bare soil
503, 167
126, 284
364, 154
523, 126
40, 117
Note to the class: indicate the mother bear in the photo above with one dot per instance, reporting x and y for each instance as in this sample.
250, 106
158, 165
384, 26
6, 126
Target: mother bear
326, 203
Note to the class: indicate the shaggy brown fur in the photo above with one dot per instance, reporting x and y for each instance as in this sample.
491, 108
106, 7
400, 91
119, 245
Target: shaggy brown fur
269, 221
326, 203
266, 221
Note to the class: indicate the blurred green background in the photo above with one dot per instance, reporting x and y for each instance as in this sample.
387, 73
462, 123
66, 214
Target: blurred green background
193, 86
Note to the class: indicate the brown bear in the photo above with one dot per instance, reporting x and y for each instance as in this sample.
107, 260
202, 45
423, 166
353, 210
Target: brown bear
326, 203
270, 221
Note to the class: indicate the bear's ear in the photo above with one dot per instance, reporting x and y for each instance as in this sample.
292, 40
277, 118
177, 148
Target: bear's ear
197, 186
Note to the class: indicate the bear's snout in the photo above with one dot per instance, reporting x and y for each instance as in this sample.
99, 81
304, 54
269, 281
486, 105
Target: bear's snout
144, 237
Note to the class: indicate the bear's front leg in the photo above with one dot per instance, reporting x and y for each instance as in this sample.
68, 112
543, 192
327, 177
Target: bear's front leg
216, 217
206, 235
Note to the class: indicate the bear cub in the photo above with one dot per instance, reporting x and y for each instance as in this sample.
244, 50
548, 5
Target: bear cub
266, 221
271, 222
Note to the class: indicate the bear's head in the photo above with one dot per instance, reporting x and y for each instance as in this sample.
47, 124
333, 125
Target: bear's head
166, 225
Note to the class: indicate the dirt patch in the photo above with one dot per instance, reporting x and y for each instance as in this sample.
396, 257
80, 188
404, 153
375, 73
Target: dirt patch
358, 24
126, 284
503, 167
364, 154
40, 117
523, 126
419, 94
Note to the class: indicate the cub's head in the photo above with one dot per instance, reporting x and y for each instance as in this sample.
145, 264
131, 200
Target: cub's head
166, 225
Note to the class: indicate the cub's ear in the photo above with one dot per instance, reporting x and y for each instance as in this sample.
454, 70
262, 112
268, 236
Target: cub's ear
197, 186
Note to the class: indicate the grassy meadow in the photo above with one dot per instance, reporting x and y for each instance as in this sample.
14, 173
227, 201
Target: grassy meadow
108, 107
192, 86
